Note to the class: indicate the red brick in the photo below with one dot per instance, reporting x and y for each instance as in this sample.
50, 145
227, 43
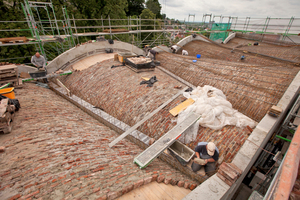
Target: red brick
96, 190
62, 177
186, 185
44, 173
160, 179
6, 173
127, 189
54, 185
114, 195
147, 180
167, 181
98, 169
173, 182
28, 186
193, 186
73, 190
54, 180
32, 194
15, 197
2, 149
154, 177
104, 197
138, 184
122, 175
26, 139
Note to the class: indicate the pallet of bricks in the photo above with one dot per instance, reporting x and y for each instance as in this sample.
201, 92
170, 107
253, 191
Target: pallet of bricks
7, 113
8, 74
229, 173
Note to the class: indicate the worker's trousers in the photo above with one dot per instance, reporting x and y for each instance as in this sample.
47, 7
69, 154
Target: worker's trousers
209, 167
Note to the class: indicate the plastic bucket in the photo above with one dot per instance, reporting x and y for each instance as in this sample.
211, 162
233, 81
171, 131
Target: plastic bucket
8, 92
198, 55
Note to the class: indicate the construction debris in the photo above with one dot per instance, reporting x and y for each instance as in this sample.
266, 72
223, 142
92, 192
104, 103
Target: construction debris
9, 74
229, 173
59, 71
275, 111
13, 40
178, 86
151, 81
24, 75
7, 113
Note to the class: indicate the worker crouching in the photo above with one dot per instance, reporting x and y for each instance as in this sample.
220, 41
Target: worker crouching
207, 154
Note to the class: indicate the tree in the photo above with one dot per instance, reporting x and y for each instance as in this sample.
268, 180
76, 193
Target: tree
155, 7
135, 7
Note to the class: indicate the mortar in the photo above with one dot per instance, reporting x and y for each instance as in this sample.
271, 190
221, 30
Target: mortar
182, 151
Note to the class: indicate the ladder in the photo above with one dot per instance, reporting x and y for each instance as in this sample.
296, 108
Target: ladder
152, 152
47, 76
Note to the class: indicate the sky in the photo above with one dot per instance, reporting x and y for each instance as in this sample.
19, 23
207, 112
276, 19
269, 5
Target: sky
180, 9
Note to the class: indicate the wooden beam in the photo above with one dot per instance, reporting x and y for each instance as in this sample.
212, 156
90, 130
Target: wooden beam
181, 107
145, 119
64, 87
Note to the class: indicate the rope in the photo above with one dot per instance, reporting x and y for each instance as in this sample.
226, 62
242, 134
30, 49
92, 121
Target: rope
261, 148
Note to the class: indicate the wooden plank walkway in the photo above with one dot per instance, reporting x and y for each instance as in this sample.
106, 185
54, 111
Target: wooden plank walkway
156, 191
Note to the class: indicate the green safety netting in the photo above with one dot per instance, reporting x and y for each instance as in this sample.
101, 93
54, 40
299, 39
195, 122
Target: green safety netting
222, 27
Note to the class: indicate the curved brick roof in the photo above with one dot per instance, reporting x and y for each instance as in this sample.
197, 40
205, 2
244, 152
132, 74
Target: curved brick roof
251, 86
285, 52
57, 151
117, 92
209, 50
252, 89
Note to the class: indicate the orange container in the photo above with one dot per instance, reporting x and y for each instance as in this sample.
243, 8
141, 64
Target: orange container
8, 92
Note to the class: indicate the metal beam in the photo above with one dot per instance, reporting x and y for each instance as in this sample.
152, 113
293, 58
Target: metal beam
145, 119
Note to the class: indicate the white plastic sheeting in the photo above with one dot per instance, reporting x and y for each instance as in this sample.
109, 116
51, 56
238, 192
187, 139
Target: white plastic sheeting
216, 112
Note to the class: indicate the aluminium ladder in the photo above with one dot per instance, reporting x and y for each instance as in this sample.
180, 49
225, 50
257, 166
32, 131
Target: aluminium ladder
47, 76
153, 151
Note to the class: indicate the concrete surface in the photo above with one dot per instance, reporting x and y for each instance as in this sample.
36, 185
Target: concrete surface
213, 188
77, 53
230, 36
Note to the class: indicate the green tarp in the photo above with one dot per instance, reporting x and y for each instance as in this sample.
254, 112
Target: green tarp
222, 27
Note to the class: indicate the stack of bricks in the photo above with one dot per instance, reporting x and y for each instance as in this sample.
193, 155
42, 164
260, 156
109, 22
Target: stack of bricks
229, 173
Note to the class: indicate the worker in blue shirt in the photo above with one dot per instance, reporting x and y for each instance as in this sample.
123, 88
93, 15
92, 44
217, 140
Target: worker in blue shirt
207, 154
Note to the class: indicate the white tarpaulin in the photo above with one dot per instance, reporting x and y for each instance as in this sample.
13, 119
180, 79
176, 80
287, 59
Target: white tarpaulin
216, 112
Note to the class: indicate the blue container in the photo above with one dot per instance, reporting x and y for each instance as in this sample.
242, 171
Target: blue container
198, 55
194, 60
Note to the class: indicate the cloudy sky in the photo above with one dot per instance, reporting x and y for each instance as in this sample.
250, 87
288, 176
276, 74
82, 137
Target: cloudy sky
180, 9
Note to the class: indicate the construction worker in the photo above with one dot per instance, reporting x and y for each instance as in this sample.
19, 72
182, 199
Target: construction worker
185, 53
152, 54
242, 57
38, 61
174, 48
207, 154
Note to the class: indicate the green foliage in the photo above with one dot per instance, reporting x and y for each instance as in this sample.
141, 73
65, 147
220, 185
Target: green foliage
135, 7
155, 7
11, 10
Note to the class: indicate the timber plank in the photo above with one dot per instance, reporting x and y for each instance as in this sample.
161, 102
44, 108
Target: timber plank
181, 107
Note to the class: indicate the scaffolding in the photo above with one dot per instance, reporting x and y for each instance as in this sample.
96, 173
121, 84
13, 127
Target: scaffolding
45, 28
52, 36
